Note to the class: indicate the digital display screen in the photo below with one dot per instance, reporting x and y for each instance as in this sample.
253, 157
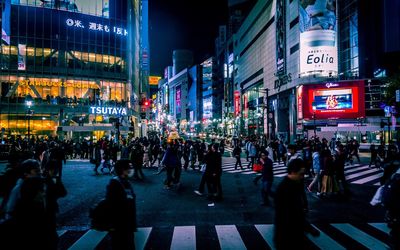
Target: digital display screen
333, 99
90, 7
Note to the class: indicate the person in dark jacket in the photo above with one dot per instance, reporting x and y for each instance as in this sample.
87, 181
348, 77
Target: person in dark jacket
290, 219
137, 160
205, 176
267, 177
54, 190
122, 198
97, 157
236, 153
30, 217
214, 171
170, 161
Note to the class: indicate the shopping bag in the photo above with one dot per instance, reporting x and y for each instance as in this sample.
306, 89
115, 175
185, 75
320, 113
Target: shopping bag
203, 168
257, 167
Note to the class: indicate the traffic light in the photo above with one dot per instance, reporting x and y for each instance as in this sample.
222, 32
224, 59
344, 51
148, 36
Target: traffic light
146, 103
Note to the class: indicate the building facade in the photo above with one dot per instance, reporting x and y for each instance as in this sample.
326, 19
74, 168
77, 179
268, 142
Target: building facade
66, 60
300, 69
254, 67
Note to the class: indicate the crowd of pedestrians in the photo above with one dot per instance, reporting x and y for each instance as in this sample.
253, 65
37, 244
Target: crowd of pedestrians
30, 188
33, 183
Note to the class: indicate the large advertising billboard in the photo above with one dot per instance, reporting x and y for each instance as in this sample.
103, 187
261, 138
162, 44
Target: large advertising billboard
89, 7
76, 28
318, 39
333, 100
5, 21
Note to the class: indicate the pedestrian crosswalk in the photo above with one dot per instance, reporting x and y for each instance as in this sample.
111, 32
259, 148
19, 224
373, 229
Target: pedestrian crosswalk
355, 173
260, 236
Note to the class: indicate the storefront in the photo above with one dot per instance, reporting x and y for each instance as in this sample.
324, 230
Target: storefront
252, 112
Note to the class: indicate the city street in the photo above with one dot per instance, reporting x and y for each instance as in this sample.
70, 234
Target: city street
122, 83
178, 217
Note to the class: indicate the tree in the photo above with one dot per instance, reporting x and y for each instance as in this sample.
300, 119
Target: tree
393, 85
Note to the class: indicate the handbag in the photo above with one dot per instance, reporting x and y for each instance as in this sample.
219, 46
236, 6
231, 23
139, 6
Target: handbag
257, 167
101, 216
203, 168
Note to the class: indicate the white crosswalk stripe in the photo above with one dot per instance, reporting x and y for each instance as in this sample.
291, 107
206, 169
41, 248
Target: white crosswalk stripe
325, 242
229, 237
267, 232
355, 174
89, 240
184, 238
141, 237
381, 226
360, 236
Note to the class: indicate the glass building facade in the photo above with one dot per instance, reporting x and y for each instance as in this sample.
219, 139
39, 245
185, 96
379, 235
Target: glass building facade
64, 57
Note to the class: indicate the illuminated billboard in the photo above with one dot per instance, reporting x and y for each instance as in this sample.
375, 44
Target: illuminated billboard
153, 80
90, 7
333, 100
5, 24
318, 40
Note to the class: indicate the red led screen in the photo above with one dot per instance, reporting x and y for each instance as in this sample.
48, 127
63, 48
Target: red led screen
337, 100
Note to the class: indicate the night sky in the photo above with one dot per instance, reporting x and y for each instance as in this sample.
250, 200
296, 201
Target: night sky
183, 24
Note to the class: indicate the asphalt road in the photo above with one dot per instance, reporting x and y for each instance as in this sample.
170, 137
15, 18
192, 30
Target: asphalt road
159, 207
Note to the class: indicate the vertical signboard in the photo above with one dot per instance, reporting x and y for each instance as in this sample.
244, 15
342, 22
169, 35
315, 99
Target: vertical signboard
5, 22
280, 37
178, 100
237, 102
21, 57
300, 102
318, 43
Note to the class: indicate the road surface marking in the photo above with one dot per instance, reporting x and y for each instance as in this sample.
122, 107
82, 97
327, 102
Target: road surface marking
89, 240
381, 226
184, 238
363, 238
267, 232
229, 238
141, 237
367, 179
325, 242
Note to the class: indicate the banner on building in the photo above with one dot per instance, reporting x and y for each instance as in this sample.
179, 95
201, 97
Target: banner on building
178, 100
237, 102
300, 102
280, 37
21, 57
5, 24
318, 39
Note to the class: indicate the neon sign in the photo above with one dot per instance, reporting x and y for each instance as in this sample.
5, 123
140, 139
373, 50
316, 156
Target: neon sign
96, 27
107, 111
330, 85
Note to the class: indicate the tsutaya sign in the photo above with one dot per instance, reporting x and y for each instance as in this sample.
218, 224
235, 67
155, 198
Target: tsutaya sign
107, 111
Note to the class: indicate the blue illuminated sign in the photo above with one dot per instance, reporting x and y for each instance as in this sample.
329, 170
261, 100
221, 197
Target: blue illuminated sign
95, 27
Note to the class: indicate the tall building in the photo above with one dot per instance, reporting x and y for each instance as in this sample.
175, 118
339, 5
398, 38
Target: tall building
301, 69
70, 67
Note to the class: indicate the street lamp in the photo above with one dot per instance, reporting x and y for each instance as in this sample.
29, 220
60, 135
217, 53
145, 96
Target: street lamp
314, 107
29, 113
